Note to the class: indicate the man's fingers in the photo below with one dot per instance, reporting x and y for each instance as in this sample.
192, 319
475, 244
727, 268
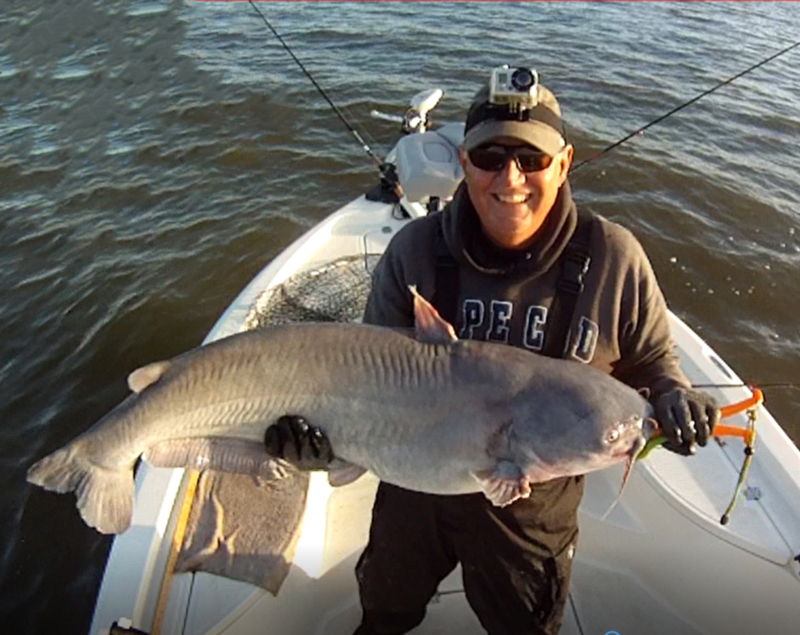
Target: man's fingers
713, 413
687, 418
700, 418
273, 441
684, 427
298, 431
315, 444
321, 446
670, 428
688, 434
292, 439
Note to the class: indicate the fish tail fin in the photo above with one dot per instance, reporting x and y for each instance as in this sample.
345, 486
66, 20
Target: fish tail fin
105, 496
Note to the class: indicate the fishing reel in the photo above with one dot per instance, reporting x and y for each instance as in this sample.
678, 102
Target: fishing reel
517, 89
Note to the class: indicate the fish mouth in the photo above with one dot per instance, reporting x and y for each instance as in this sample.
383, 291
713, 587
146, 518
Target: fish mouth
635, 431
629, 456
649, 428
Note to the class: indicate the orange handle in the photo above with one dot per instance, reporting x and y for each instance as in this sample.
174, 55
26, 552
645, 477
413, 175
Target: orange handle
729, 431
756, 399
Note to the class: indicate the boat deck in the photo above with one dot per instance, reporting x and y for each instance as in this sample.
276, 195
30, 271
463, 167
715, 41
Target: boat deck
660, 563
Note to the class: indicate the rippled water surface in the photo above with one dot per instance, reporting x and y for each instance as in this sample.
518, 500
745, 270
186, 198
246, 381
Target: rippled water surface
155, 155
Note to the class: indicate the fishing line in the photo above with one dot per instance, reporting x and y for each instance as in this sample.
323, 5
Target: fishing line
748, 385
322, 92
381, 165
638, 131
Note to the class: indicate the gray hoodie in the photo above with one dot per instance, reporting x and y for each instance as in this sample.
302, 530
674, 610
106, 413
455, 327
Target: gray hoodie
620, 323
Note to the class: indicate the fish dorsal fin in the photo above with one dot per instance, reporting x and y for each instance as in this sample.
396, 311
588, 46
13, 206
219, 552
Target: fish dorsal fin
142, 377
429, 325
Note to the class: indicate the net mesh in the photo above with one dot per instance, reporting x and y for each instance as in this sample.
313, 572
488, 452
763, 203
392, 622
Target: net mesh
335, 292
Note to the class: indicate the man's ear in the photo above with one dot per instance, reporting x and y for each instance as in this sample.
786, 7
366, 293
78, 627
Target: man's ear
462, 158
564, 163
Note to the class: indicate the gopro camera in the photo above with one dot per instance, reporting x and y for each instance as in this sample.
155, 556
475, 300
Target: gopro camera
514, 87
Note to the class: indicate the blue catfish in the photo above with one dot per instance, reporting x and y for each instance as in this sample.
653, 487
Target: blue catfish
429, 413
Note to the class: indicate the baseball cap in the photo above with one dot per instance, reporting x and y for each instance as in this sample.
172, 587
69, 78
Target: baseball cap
539, 126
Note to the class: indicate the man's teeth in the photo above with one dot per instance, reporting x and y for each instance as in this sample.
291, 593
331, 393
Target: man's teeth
517, 198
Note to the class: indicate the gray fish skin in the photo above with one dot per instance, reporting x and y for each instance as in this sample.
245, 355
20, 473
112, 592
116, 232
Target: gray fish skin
443, 418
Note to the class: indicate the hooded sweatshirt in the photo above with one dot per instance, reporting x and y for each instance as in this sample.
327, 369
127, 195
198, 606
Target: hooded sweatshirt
620, 323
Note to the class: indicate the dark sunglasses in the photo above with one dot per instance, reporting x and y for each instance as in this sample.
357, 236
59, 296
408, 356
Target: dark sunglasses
494, 158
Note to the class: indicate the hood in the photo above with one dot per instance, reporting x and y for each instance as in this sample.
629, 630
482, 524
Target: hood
469, 245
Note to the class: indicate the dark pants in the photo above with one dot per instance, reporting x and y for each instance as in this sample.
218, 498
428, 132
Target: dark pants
516, 560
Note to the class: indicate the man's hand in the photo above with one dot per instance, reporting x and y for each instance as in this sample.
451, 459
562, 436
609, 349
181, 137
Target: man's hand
686, 418
293, 440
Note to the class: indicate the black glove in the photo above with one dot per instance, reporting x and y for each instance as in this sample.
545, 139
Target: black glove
686, 417
293, 440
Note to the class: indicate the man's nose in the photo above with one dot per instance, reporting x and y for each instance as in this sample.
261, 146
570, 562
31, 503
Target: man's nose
511, 173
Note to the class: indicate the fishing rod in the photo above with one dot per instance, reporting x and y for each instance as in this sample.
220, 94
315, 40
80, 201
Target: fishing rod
750, 404
639, 131
383, 168
747, 434
748, 384
378, 162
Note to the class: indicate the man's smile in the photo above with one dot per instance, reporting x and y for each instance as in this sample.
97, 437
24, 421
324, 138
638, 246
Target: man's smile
511, 199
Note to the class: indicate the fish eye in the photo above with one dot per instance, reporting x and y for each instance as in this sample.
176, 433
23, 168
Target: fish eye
613, 435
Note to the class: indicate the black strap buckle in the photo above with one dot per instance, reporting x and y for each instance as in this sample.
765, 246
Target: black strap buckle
576, 264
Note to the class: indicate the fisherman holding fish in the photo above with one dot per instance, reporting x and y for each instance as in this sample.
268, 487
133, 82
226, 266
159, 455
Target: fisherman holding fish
510, 260
480, 449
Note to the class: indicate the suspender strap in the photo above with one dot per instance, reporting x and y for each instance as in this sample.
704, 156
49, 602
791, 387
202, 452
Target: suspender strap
575, 263
445, 295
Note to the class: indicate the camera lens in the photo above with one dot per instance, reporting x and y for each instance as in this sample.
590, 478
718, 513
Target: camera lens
522, 79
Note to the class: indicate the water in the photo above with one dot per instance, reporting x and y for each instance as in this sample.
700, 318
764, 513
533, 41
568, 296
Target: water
155, 155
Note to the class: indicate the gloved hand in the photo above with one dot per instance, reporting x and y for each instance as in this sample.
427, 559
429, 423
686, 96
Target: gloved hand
292, 439
686, 418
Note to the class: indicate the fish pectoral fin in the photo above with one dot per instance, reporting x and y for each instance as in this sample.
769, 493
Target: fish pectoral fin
341, 472
142, 377
216, 453
504, 484
429, 326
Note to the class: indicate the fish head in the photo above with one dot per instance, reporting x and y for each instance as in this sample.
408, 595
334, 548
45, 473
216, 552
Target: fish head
582, 432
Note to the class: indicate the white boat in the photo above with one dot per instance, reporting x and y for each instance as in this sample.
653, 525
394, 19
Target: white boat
660, 563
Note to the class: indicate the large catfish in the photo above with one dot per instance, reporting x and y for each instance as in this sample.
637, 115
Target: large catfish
434, 414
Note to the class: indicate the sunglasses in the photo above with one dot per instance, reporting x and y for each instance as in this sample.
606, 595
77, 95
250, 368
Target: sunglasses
494, 158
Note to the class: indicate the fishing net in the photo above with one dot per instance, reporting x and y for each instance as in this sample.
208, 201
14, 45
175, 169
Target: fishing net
335, 292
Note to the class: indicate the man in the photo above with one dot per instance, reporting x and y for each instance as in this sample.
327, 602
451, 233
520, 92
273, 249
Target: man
510, 260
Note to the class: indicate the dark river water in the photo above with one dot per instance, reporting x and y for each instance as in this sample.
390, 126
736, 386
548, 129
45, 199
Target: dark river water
155, 155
